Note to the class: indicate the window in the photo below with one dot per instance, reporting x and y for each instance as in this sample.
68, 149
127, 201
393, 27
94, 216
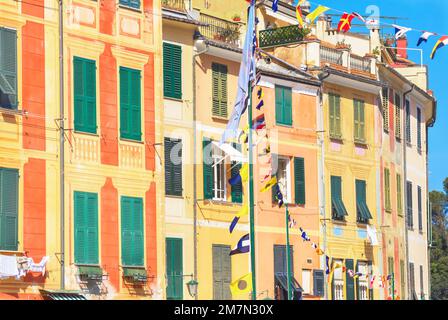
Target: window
335, 116
422, 291
390, 272
8, 68
337, 205
174, 269
283, 105
419, 129
135, 4
283, 178
222, 272
130, 102
9, 204
408, 122
219, 174
412, 281
306, 281
173, 167
385, 103
299, 178
402, 281
338, 282
419, 207
219, 84
86, 228
410, 213
363, 212
84, 82
349, 281
359, 121
132, 241
399, 196
397, 116
363, 281
280, 273
318, 283
236, 190
172, 71
387, 190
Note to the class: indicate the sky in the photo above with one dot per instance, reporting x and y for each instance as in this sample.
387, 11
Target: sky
428, 15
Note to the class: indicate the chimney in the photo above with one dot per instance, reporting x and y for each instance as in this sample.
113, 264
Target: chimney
402, 46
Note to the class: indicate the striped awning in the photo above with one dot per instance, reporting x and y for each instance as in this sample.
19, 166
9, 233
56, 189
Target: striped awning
62, 295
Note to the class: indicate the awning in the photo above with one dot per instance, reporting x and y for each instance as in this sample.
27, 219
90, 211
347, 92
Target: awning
231, 152
62, 295
364, 211
339, 208
283, 281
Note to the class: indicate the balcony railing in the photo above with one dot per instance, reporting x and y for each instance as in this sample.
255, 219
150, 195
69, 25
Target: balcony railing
178, 5
360, 64
280, 36
331, 55
220, 30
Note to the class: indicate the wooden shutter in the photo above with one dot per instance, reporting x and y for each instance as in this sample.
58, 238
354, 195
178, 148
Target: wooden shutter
130, 104
219, 84
370, 268
410, 213
131, 3
331, 100
287, 106
173, 171
172, 71
397, 116
419, 129
236, 190
126, 231
349, 283
419, 208
402, 281
387, 189
385, 103
279, 104
408, 122
359, 122
299, 178
9, 193
86, 228
92, 228
222, 272
132, 241
84, 82
360, 197
399, 196
283, 105
356, 121
80, 227
318, 283
412, 279
208, 174
8, 68
174, 269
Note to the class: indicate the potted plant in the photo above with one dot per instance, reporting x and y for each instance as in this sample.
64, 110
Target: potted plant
343, 45
236, 18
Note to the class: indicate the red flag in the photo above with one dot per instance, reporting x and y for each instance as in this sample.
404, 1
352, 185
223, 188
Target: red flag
346, 22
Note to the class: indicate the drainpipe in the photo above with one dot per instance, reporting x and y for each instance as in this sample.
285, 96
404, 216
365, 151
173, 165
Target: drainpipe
197, 36
405, 181
322, 199
61, 140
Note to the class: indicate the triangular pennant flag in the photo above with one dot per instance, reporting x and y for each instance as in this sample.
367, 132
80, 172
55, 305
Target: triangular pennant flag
304, 235
327, 265
233, 224
443, 41
299, 14
243, 246
260, 105
244, 172
424, 37
316, 13
275, 5
400, 31
269, 185
260, 93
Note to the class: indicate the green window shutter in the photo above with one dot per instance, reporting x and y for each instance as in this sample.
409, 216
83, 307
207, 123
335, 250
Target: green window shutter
397, 116
359, 122
335, 116
86, 228
283, 105
419, 129
338, 208
356, 120
408, 121
172, 71
84, 88
174, 269
399, 195
318, 283
385, 102
237, 190
207, 170
363, 212
173, 171
132, 241
219, 84
299, 178
8, 68
370, 268
130, 104
131, 3
9, 201
332, 112
274, 159
387, 189
349, 282
419, 208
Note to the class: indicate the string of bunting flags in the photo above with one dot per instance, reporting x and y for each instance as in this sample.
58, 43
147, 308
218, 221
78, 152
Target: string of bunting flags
345, 23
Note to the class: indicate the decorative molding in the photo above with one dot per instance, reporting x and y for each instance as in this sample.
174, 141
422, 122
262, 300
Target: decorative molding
128, 57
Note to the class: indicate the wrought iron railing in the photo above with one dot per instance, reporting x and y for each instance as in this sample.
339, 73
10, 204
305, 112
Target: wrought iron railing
360, 64
220, 30
174, 4
331, 55
281, 36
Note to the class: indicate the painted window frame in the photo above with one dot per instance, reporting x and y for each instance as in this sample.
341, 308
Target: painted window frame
12, 105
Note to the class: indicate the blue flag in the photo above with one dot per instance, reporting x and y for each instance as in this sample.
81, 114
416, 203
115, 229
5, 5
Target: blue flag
246, 76
233, 224
275, 5
243, 246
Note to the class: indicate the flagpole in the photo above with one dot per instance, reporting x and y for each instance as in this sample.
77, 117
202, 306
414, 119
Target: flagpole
288, 258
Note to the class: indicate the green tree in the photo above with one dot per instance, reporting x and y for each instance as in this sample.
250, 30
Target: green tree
445, 186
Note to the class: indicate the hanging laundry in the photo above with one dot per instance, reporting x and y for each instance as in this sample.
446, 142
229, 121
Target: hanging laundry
8, 267
243, 246
424, 37
443, 41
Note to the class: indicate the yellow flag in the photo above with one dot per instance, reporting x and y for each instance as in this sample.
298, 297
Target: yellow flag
243, 212
316, 13
242, 285
319, 251
244, 172
269, 185
299, 13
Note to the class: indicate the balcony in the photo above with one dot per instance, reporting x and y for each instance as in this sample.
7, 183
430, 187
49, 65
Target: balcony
178, 5
281, 36
360, 64
221, 30
345, 59
330, 55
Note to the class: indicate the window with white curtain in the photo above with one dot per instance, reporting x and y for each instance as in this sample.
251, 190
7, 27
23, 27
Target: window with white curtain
219, 173
363, 281
338, 281
284, 180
